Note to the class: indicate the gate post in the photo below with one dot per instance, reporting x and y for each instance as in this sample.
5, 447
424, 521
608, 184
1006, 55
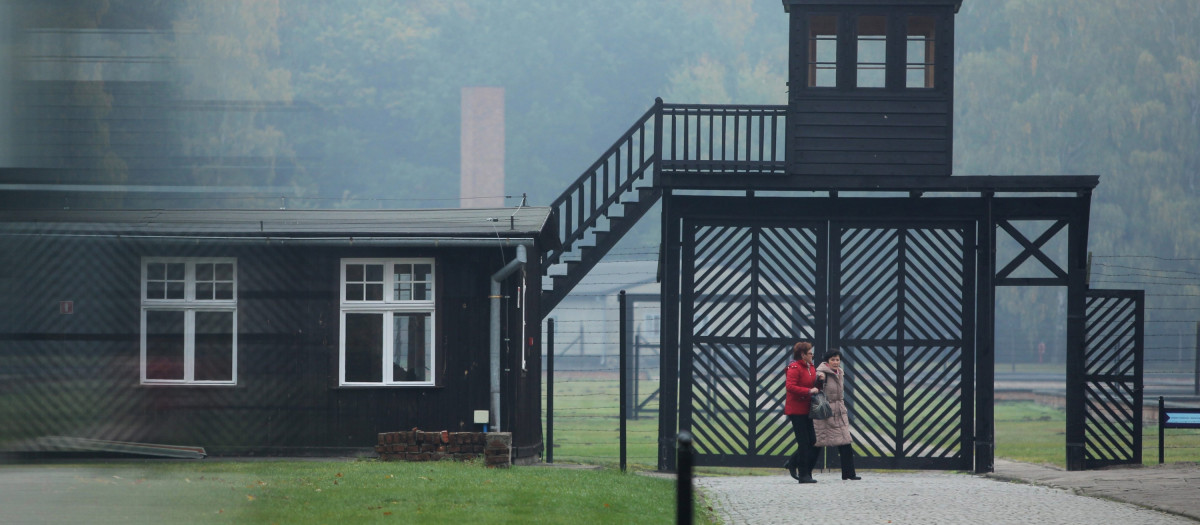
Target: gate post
1077, 234
668, 404
985, 356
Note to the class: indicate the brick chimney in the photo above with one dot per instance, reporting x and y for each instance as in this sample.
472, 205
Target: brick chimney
482, 148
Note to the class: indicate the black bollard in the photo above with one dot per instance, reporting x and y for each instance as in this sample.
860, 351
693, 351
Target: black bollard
683, 480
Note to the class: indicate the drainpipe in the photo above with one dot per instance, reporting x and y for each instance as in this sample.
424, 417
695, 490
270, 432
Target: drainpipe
494, 354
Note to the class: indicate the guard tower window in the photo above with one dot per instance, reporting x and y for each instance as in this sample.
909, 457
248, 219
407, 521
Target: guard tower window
919, 61
822, 51
872, 51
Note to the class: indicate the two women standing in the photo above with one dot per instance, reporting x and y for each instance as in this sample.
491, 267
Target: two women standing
803, 380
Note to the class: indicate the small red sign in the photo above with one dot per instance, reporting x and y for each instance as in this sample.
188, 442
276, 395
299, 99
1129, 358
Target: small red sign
66, 307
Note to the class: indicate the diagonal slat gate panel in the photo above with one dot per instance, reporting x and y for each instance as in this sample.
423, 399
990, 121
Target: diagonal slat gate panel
1113, 351
875, 401
898, 307
748, 292
785, 309
719, 285
934, 286
934, 391
900, 297
868, 290
773, 433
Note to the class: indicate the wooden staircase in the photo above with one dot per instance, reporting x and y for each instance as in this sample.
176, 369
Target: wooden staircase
676, 141
601, 206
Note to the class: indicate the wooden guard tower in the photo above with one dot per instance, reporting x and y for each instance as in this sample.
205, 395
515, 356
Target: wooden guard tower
871, 87
835, 219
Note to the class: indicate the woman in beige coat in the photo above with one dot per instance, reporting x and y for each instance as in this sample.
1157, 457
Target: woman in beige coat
834, 431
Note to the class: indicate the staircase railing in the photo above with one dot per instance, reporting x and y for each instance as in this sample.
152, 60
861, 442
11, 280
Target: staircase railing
603, 183
681, 139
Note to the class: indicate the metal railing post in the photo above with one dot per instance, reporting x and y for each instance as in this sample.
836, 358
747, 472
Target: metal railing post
1162, 416
623, 349
550, 391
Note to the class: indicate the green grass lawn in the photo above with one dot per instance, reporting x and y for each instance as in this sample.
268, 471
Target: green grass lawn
214, 491
1027, 431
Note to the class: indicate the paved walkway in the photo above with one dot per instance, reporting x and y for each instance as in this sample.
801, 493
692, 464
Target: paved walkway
1040, 495
1172, 487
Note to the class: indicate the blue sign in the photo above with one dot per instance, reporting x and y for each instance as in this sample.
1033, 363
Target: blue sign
1182, 419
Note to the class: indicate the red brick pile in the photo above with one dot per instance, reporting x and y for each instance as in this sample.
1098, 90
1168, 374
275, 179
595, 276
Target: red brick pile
416, 445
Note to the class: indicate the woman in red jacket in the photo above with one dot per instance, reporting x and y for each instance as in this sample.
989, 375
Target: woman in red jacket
801, 384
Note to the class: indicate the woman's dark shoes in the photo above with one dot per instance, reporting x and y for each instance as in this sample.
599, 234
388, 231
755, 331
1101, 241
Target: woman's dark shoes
808, 479
791, 468
855, 478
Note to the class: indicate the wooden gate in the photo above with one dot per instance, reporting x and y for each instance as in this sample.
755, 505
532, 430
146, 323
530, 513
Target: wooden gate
904, 319
897, 299
1110, 422
756, 289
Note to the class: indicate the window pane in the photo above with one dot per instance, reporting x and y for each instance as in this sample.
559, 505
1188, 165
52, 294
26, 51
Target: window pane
822, 51
354, 272
156, 271
402, 286
164, 344
375, 272
214, 346
916, 50
223, 291
204, 272
871, 78
374, 292
423, 281
403, 272
204, 291
156, 290
174, 290
225, 272
915, 78
364, 348
354, 292
175, 271
412, 347
919, 52
872, 51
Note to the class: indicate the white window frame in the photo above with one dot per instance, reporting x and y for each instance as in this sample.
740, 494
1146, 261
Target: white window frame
189, 305
387, 307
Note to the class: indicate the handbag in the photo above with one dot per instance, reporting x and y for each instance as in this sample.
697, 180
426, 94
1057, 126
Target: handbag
819, 407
